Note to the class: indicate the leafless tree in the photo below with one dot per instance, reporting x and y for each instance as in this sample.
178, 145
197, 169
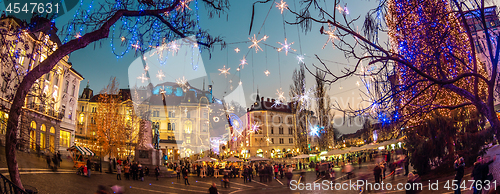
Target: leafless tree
443, 76
138, 21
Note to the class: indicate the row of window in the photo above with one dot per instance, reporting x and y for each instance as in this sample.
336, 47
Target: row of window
282, 140
280, 131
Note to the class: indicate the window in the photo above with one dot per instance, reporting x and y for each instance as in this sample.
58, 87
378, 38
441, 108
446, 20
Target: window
272, 140
171, 114
188, 139
66, 85
272, 130
81, 118
169, 126
94, 109
204, 127
73, 90
290, 140
282, 141
173, 126
188, 114
281, 130
56, 79
289, 120
83, 108
64, 138
290, 130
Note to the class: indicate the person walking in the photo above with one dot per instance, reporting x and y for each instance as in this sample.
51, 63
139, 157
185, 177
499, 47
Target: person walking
135, 169
276, 170
59, 158
119, 172
157, 172
477, 174
281, 169
185, 175
382, 166
146, 171
459, 168
140, 172
245, 174
377, 172
289, 175
47, 158
89, 167
392, 168
127, 171
213, 189
178, 170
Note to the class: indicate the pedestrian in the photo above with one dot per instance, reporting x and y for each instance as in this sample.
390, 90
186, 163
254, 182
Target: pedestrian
47, 158
185, 175
392, 167
140, 172
225, 179
459, 168
89, 167
157, 172
213, 189
289, 175
477, 174
407, 165
146, 171
281, 169
198, 170
119, 172
300, 164
382, 166
127, 171
317, 170
114, 163
377, 171
245, 174
359, 162
56, 162
59, 158
332, 175
135, 171
178, 170
276, 170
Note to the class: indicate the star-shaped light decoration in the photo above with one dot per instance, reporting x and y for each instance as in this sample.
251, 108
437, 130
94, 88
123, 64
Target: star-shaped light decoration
255, 43
146, 68
285, 46
304, 99
237, 50
281, 96
160, 75
182, 83
183, 5
281, 6
267, 72
339, 8
255, 127
123, 38
159, 49
224, 71
174, 47
346, 11
243, 62
331, 36
300, 58
143, 78
136, 46
277, 103
78, 35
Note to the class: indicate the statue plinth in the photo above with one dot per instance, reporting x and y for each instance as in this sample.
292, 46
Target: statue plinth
144, 151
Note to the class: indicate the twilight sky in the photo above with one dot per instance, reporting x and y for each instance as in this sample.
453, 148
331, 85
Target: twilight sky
98, 64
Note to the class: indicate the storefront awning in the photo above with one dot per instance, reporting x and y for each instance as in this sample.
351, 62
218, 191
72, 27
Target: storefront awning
83, 150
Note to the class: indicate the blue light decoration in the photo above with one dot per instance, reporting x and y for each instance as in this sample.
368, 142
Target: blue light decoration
179, 92
236, 123
316, 130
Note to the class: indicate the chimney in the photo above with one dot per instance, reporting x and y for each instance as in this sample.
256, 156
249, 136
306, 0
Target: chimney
268, 99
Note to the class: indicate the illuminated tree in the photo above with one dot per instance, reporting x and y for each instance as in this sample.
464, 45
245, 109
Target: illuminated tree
299, 107
139, 25
428, 65
323, 109
110, 126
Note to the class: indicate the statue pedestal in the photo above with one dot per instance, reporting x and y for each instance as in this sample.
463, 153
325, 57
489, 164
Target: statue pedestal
149, 157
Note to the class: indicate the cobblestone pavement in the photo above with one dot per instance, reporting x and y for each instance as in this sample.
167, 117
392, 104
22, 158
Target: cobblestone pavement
34, 173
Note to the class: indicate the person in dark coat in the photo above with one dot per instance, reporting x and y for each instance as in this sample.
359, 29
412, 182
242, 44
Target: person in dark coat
213, 189
185, 175
477, 173
157, 172
59, 158
245, 174
140, 172
146, 171
377, 172
459, 168
89, 167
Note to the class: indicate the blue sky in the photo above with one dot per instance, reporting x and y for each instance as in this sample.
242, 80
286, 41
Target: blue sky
98, 64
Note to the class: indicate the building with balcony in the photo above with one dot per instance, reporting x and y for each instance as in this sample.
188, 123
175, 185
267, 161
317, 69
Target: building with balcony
47, 121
